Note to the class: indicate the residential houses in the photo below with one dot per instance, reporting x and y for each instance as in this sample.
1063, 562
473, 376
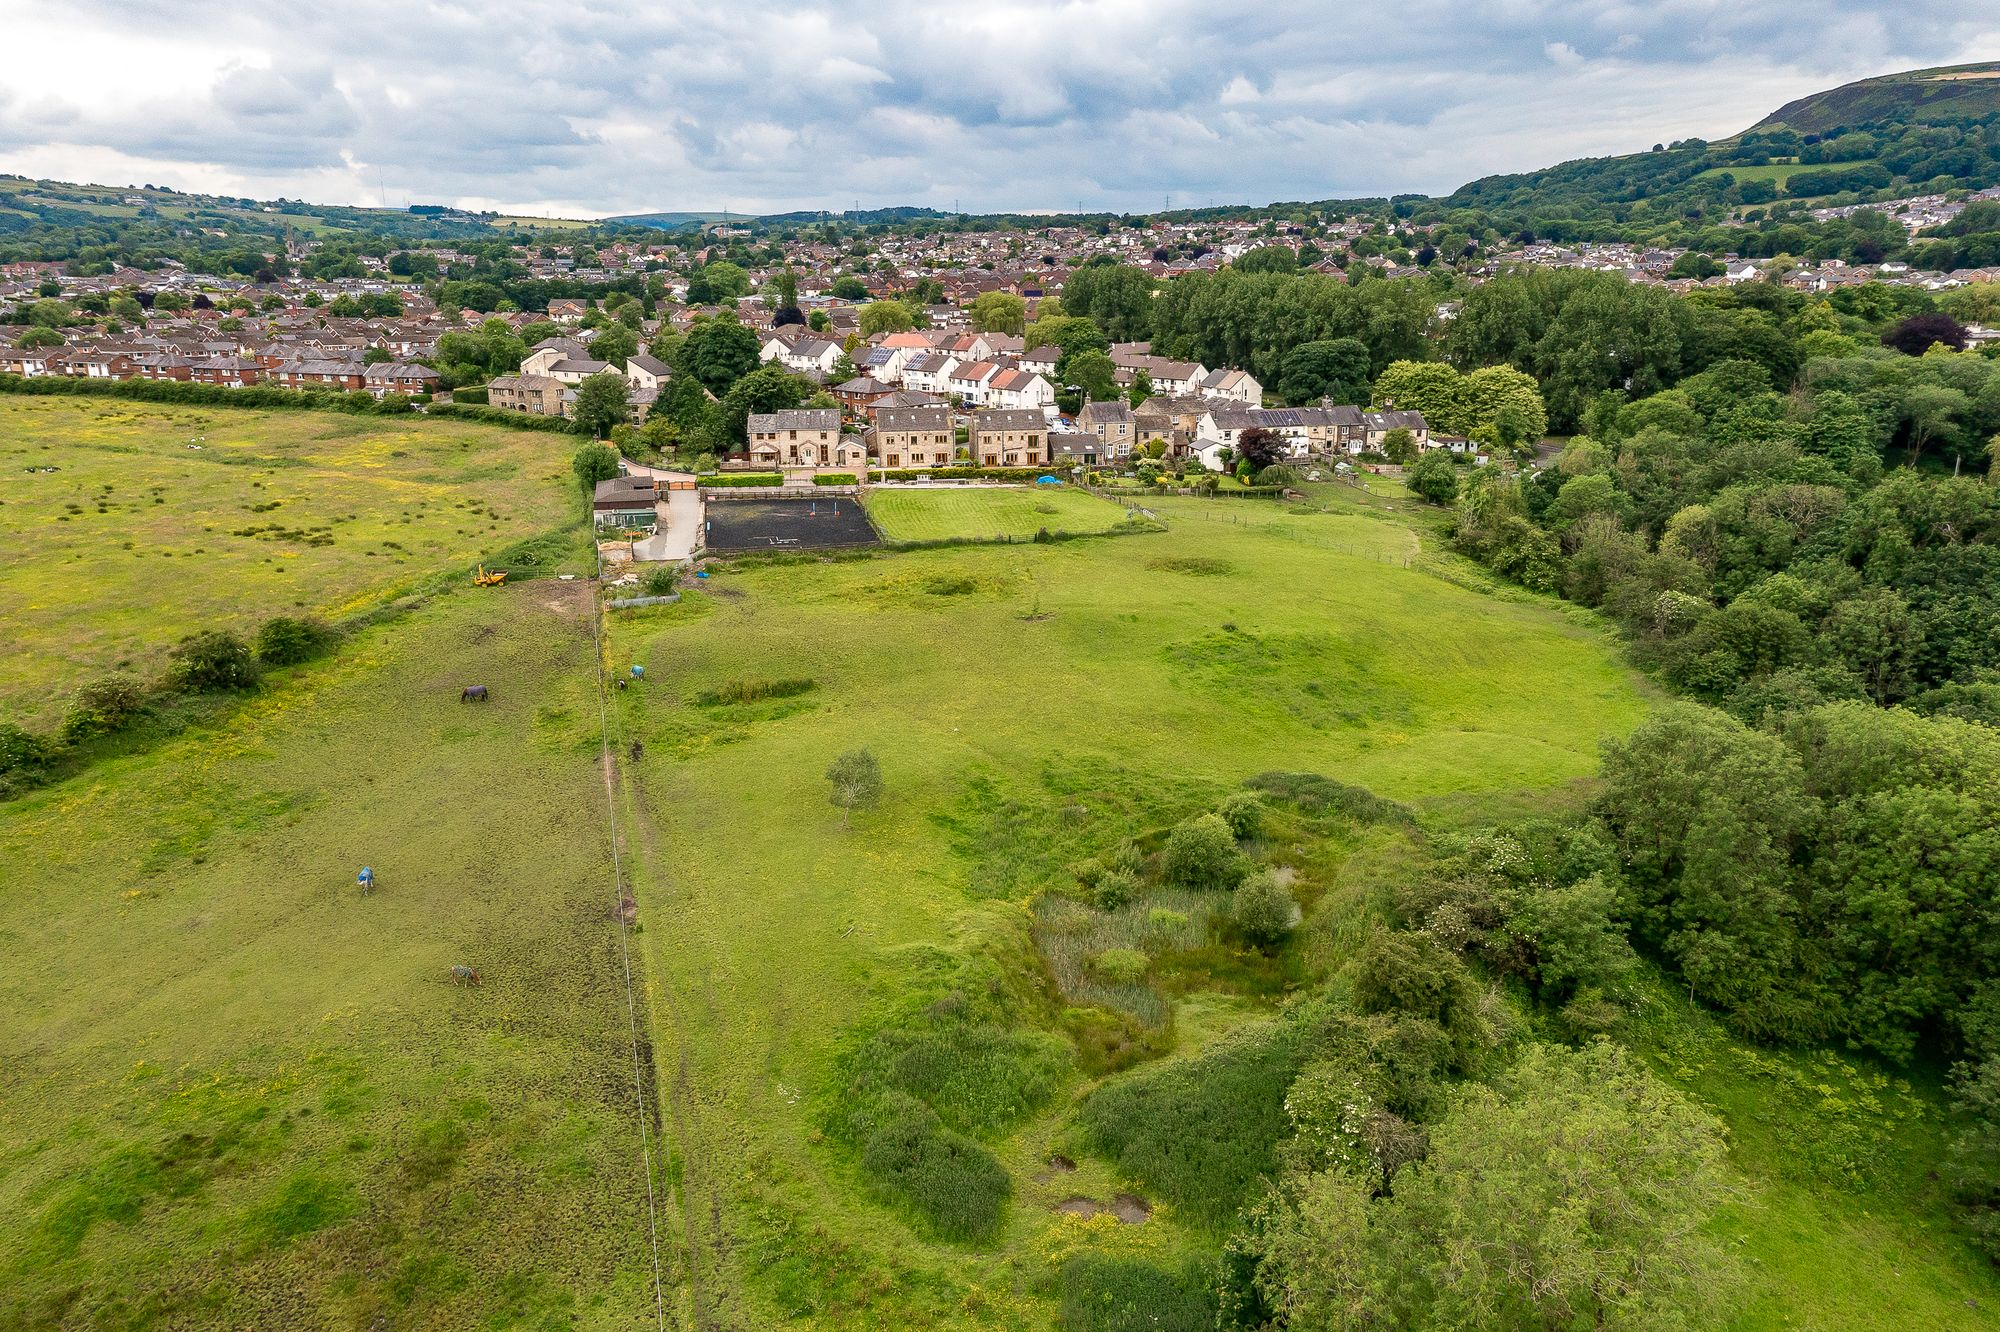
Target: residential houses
1008, 437
906, 437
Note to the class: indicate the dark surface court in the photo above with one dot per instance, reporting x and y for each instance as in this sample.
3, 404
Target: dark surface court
801, 524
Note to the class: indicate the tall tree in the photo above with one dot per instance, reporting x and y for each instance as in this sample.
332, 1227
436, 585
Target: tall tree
1574, 1194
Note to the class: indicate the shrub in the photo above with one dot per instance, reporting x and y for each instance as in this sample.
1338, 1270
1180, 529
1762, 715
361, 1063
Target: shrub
1159, 1125
1201, 853
750, 691
1120, 966
1243, 812
1114, 888
947, 1179
21, 750
834, 479
740, 480
1262, 909
593, 462
287, 640
1311, 793
212, 661
103, 706
661, 579
1105, 1294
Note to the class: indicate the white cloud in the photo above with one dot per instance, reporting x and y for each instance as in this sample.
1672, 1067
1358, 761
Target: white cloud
636, 105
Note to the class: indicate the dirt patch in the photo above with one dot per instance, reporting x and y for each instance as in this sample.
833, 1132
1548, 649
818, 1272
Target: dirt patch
626, 911
1133, 1211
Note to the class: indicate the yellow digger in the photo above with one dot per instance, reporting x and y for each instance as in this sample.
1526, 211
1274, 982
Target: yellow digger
484, 579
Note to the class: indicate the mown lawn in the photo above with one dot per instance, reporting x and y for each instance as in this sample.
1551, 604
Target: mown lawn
988, 511
1020, 700
138, 538
237, 1094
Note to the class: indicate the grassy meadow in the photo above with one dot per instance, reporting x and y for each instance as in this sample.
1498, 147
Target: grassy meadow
975, 513
239, 1094
138, 538
1028, 705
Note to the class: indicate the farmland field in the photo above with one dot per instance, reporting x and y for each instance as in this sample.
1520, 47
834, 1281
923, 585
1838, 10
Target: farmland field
938, 514
239, 1094
1777, 172
137, 538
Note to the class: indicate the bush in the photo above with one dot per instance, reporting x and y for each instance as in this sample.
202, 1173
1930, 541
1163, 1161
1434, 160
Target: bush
1311, 793
21, 751
1120, 966
750, 691
1106, 1294
946, 1178
1262, 910
287, 640
740, 480
1201, 853
661, 579
102, 707
1160, 1125
1433, 478
1114, 888
210, 662
834, 479
1243, 812
592, 463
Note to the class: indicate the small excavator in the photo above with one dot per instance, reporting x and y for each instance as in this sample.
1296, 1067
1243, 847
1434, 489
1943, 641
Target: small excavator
485, 579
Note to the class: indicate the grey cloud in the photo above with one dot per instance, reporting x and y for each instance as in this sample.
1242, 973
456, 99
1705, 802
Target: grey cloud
628, 105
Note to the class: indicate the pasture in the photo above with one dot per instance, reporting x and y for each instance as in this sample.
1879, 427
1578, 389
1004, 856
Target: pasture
125, 525
241, 1094
1026, 704
982, 512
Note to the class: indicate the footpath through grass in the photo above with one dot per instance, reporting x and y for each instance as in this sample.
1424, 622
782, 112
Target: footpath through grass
978, 512
1020, 700
158, 521
238, 1094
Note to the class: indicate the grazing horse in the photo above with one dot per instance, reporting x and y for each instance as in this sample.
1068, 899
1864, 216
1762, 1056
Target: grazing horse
473, 694
465, 975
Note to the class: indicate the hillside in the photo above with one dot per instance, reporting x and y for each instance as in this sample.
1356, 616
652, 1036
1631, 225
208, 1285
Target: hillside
1901, 134
1919, 96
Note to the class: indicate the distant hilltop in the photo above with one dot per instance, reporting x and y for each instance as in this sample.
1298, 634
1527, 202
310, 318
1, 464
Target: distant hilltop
1917, 96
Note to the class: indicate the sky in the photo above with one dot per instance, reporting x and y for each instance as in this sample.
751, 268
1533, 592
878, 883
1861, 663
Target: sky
553, 107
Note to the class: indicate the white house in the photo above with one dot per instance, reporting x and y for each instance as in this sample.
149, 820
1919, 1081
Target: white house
929, 372
968, 380
1236, 385
1019, 388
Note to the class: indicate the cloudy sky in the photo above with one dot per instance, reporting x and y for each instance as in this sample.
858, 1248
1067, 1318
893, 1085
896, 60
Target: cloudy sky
614, 106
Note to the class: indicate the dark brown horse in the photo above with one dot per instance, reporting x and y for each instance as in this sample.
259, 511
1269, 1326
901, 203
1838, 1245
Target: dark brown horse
474, 694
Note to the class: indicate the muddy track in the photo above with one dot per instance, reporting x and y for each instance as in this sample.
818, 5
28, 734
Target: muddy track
703, 1245
582, 603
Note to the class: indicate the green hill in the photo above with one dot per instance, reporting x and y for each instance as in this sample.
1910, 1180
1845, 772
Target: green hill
1951, 93
1901, 134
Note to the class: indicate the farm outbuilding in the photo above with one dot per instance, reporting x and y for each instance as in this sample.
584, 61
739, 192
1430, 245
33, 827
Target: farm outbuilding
625, 501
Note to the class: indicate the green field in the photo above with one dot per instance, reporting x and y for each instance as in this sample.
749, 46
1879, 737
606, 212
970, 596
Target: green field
238, 1094
1020, 699
138, 538
1777, 172
977, 513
